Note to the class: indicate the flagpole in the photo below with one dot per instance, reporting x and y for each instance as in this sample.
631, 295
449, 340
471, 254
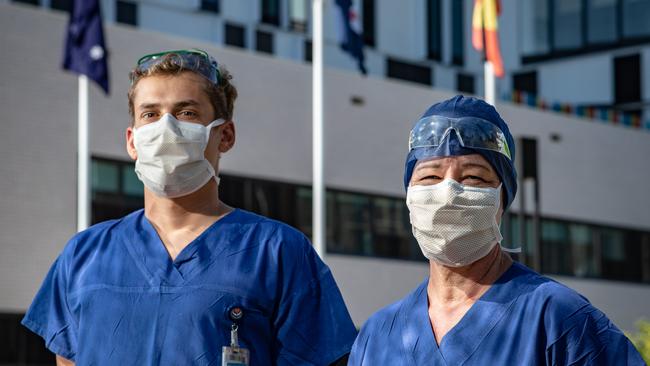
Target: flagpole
489, 82
83, 175
488, 67
318, 187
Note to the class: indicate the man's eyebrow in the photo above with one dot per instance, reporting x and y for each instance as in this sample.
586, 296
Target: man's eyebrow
149, 105
186, 103
181, 104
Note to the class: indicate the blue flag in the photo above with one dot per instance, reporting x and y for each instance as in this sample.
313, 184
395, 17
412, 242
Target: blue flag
85, 51
350, 39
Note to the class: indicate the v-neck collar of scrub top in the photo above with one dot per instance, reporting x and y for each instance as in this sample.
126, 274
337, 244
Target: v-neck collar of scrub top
466, 336
151, 256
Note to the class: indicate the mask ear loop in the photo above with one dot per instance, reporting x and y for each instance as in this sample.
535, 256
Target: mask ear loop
514, 250
208, 128
511, 250
211, 125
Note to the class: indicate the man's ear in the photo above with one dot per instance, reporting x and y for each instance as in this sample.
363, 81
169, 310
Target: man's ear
227, 136
130, 146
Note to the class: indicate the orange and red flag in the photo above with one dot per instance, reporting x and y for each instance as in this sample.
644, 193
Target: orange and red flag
484, 19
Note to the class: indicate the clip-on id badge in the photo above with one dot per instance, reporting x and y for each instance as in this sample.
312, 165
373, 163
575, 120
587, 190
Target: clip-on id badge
235, 355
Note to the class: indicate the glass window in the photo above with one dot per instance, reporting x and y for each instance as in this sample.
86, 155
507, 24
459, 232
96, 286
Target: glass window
567, 249
621, 254
368, 15
31, 2
126, 12
131, 185
510, 230
105, 176
64, 5
271, 12
465, 83
303, 210
458, 37
613, 242
391, 236
264, 41
298, 15
583, 256
601, 21
210, 5
350, 220
115, 190
408, 71
434, 26
635, 18
535, 23
516, 240
645, 256
525, 81
230, 190
628, 82
19, 345
556, 251
567, 24
276, 200
235, 35
307, 50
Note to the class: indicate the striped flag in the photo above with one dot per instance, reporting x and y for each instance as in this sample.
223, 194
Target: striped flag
485, 25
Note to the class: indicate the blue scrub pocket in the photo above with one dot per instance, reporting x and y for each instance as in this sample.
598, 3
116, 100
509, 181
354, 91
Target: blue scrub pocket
191, 320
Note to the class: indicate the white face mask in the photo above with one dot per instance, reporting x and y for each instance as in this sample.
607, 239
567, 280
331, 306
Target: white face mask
454, 224
171, 160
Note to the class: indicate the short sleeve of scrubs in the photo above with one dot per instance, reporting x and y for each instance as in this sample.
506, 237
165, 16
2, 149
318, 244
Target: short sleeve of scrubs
310, 302
49, 315
588, 337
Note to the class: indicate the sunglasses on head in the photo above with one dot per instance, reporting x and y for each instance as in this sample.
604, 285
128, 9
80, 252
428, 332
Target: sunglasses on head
194, 60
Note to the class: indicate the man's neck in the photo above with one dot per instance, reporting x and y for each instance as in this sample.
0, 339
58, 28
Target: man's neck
178, 221
449, 285
193, 210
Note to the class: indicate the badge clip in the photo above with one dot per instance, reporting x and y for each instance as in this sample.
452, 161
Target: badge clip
235, 355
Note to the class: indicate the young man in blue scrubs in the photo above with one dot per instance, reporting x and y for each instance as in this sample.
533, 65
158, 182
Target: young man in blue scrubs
188, 280
477, 307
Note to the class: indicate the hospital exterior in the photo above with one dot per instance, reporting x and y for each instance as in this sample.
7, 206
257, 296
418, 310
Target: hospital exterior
593, 176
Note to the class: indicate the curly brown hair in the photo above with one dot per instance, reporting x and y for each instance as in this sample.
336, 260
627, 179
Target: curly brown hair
222, 96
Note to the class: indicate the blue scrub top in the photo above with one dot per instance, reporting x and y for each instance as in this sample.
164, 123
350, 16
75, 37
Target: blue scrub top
115, 297
523, 319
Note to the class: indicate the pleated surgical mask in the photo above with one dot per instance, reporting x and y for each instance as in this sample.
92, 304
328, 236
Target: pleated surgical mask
454, 224
171, 161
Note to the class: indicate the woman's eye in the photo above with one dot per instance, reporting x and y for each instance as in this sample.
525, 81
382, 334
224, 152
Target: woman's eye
430, 177
474, 178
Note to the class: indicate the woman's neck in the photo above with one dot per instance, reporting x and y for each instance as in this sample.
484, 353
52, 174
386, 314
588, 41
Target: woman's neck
467, 283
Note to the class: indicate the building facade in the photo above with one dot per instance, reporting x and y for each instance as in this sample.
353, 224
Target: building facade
551, 49
594, 212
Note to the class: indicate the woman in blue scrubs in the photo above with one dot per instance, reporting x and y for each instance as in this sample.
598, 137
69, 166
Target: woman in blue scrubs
188, 280
478, 307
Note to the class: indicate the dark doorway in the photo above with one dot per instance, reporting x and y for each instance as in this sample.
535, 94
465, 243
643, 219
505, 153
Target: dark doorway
627, 84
